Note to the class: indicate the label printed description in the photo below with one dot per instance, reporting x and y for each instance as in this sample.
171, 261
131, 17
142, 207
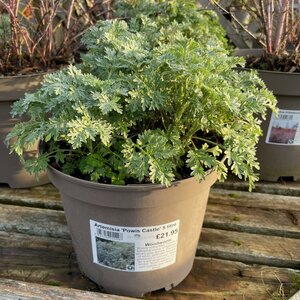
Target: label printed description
134, 249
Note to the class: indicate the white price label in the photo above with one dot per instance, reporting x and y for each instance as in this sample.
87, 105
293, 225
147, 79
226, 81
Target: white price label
134, 249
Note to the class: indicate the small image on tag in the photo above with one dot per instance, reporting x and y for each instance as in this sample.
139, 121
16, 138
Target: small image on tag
285, 128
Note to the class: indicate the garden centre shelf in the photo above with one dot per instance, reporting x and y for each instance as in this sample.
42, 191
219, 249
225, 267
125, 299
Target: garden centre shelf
249, 247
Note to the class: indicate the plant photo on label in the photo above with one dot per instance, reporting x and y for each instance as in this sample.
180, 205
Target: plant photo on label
155, 99
115, 254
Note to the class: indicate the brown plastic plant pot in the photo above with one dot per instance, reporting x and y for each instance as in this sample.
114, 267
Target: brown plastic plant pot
12, 172
134, 239
278, 150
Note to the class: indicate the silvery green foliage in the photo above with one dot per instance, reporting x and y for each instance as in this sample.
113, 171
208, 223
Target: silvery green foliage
150, 103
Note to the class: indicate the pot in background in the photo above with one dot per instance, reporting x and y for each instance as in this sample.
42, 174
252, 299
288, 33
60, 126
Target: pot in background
12, 172
278, 150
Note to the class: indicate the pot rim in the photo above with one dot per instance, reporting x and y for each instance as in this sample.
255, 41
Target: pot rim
13, 88
255, 52
7, 77
128, 187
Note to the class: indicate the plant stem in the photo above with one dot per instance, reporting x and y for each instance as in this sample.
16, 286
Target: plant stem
283, 14
214, 2
208, 141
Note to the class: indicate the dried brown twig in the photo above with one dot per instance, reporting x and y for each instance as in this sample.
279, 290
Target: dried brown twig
41, 34
278, 20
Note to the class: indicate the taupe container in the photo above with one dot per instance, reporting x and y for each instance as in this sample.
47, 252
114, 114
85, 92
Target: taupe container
278, 160
134, 206
12, 172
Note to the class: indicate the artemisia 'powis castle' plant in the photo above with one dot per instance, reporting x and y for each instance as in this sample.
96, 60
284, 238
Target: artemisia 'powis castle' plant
155, 99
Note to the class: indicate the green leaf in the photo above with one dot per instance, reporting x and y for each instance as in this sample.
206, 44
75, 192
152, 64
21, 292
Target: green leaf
36, 165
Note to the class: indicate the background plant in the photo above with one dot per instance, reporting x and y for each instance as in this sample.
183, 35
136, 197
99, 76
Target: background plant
151, 102
40, 34
272, 25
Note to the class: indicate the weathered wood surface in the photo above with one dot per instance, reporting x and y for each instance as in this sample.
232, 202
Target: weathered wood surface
18, 290
287, 188
249, 247
46, 260
221, 279
255, 213
269, 214
214, 242
45, 196
209, 279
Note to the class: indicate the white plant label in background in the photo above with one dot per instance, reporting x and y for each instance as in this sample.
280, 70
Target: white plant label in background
134, 249
285, 128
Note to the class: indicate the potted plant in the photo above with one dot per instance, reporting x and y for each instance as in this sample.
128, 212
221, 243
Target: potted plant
35, 37
135, 136
274, 27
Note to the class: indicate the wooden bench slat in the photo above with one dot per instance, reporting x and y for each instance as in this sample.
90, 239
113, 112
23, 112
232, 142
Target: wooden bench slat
269, 214
222, 212
46, 196
250, 248
288, 188
254, 200
46, 260
34, 221
255, 220
215, 279
18, 290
